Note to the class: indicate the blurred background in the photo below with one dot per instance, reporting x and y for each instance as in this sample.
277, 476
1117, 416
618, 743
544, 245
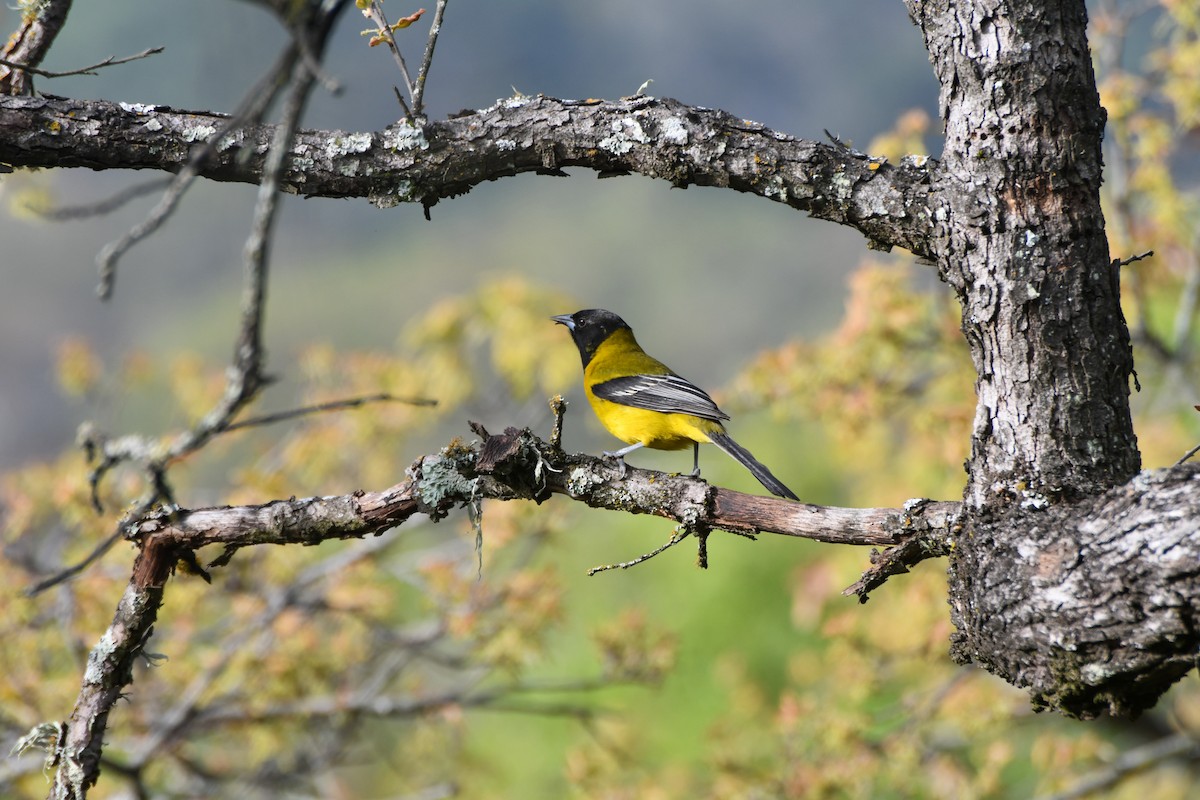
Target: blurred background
613, 243
844, 372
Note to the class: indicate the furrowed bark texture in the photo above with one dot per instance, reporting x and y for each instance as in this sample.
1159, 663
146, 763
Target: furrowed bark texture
1021, 239
1091, 606
1072, 597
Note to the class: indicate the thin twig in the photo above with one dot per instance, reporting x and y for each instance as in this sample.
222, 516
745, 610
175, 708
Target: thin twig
374, 12
28, 45
333, 405
111, 61
253, 105
330, 83
78, 567
107, 205
403, 105
680, 534
430, 43
245, 377
927, 541
1188, 455
170, 724
155, 496
1125, 262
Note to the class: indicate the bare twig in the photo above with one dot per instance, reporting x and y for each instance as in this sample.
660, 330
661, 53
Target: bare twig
931, 539
430, 43
245, 377
403, 105
313, 62
253, 105
1188, 455
680, 534
111, 61
171, 723
248, 378
1125, 262
333, 405
106, 205
384, 32
78, 567
251, 109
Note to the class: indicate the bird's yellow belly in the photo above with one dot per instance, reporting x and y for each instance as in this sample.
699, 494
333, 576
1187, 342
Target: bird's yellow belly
652, 429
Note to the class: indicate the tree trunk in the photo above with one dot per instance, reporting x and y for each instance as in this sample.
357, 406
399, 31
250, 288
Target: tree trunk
1022, 241
1079, 599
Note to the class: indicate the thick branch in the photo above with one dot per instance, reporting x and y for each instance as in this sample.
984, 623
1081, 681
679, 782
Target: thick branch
660, 138
1091, 606
516, 465
1068, 601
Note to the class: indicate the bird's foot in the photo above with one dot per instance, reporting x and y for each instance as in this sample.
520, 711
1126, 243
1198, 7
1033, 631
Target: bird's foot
620, 459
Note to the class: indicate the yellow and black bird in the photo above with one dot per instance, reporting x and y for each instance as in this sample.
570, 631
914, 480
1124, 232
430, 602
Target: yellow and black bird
643, 403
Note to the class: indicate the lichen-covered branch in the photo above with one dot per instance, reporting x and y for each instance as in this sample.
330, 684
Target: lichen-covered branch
657, 137
1109, 643
514, 465
517, 465
109, 671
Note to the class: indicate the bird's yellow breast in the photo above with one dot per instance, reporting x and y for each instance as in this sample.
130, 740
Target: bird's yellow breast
620, 356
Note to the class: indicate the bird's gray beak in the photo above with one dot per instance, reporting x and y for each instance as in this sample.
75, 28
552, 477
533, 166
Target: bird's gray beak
565, 319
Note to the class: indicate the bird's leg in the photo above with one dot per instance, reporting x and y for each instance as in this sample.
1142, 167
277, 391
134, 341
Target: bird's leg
695, 459
619, 455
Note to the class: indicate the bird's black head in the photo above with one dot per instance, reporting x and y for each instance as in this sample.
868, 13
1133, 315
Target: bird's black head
589, 328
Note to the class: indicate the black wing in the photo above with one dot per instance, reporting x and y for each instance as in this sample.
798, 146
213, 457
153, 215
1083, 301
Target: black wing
670, 394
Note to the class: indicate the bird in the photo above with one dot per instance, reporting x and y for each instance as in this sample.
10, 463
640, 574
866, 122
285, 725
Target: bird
643, 403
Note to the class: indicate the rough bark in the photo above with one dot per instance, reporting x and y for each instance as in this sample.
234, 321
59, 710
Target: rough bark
660, 138
1071, 574
1048, 590
1092, 606
1020, 237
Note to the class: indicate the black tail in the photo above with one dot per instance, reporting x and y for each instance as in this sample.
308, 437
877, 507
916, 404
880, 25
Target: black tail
756, 467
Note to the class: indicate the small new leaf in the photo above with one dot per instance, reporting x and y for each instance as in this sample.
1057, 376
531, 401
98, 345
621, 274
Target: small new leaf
404, 22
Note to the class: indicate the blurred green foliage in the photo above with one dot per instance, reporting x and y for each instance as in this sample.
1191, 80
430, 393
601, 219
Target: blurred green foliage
372, 669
